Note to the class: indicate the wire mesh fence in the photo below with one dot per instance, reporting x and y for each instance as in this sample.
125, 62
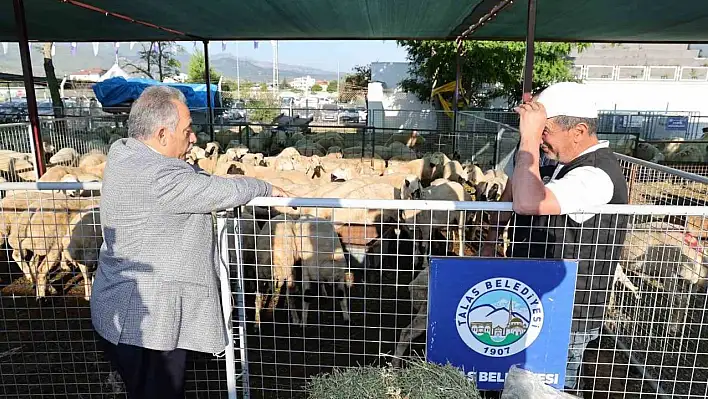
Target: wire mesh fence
342, 283
351, 275
50, 236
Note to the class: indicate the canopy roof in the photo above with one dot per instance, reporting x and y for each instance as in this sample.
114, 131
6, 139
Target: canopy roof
557, 20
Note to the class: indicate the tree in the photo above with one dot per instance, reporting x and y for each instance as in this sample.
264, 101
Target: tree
264, 87
284, 85
360, 78
332, 86
316, 88
488, 69
52, 82
158, 58
196, 72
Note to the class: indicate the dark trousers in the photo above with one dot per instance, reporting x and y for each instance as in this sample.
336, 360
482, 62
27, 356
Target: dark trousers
148, 373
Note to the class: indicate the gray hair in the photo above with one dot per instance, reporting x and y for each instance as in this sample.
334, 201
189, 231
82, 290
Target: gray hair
569, 122
154, 109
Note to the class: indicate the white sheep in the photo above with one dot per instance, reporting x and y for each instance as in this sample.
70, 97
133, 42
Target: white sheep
425, 221
65, 156
313, 241
82, 242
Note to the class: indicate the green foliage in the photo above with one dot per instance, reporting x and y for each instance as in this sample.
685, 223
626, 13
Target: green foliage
264, 87
158, 60
420, 380
197, 67
284, 85
488, 69
332, 86
316, 88
262, 110
360, 78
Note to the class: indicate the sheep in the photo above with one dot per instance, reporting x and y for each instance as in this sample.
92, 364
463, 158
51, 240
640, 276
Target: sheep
280, 244
252, 159
418, 289
14, 204
409, 185
40, 229
92, 159
334, 152
322, 258
648, 152
424, 169
424, 221
195, 154
81, 177
65, 156
411, 139
236, 152
308, 148
668, 244
330, 139
212, 148
82, 242
666, 254
453, 171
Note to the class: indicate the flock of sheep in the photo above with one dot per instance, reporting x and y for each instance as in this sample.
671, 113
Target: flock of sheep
49, 230
673, 150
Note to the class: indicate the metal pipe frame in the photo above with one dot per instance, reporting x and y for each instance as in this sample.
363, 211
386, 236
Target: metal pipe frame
210, 108
530, 46
32, 110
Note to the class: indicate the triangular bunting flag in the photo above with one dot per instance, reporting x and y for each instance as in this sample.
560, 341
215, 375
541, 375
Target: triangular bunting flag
54, 50
73, 48
255, 44
4, 48
95, 48
131, 45
223, 46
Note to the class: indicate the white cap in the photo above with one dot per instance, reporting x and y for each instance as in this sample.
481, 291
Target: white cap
569, 99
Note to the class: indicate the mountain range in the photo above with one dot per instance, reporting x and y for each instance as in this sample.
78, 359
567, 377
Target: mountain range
224, 63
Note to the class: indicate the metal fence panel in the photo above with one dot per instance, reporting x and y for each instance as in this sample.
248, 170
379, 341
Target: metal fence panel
48, 347
653, 318
345, 270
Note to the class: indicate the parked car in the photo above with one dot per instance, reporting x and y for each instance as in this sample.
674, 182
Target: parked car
363, 113
329, 112
237, 112
349, 115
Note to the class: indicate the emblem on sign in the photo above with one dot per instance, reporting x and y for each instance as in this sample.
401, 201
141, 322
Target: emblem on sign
499, 317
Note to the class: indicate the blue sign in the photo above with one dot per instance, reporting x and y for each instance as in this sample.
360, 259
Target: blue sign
487, 314
677, 123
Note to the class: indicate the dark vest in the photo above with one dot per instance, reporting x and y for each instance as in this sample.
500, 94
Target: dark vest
596, 242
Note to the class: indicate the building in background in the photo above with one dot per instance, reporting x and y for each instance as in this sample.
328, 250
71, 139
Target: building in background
88, 75
304, 83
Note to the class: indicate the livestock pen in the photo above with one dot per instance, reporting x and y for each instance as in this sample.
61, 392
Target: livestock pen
654, 343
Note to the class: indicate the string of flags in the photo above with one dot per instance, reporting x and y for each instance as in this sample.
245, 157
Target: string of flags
4, 48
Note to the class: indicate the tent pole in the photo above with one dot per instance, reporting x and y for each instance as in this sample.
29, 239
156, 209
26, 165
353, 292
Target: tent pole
29, 85
456, 97
210, 114
530, 37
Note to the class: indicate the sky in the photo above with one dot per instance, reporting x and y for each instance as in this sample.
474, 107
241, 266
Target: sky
322, 54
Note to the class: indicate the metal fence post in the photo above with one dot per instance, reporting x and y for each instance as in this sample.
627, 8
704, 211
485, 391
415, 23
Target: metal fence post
222, 256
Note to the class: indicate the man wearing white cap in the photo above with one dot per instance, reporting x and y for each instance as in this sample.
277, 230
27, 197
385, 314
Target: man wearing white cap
562, 121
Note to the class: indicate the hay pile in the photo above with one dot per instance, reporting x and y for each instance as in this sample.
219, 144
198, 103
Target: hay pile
420, 380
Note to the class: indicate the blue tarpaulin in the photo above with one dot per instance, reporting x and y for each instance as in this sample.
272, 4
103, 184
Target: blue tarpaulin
119, 91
